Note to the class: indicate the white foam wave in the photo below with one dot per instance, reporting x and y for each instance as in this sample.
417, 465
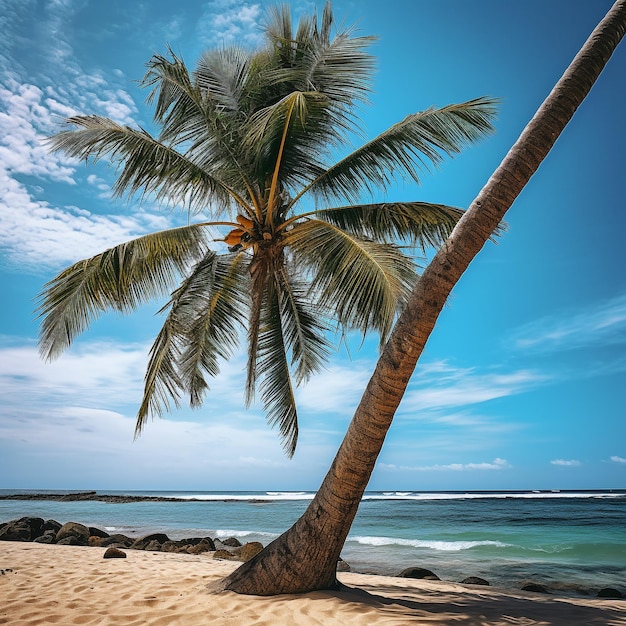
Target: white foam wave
443, 546
224, 533
400, 495
269, 496
272, 496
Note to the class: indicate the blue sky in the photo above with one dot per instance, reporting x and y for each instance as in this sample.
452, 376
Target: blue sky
522, 384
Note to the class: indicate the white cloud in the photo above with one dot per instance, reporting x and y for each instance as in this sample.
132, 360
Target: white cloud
496, 464
444, 387
230, 21
79, 412
34, 234
335, 390
618, 459
602, 324
564, 463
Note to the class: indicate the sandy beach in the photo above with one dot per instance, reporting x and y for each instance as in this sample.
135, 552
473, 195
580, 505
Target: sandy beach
47, 584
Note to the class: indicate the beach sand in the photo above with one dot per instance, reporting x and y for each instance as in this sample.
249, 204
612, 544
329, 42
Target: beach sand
47, 584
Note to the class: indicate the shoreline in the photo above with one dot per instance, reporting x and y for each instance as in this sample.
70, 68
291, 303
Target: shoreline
34, 530
75, 585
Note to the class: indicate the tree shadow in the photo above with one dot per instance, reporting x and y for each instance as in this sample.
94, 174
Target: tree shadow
471, 607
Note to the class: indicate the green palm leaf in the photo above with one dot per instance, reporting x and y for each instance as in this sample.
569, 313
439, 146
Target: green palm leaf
120, 278
273, 369
421, 223
303, 326
205, 315
362, 281
212, 314
408, 148
148, 164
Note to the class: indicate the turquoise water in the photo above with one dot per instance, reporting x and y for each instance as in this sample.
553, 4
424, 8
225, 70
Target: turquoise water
569, 542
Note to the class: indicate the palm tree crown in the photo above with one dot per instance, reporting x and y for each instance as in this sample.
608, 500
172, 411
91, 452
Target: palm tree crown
245, 141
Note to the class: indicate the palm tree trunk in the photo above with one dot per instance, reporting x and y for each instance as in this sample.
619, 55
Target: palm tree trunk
305, 557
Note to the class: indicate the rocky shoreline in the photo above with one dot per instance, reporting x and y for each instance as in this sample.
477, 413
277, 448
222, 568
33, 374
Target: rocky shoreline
95, 496
38, 530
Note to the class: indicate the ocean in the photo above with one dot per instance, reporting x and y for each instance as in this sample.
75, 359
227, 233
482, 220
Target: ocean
572, 543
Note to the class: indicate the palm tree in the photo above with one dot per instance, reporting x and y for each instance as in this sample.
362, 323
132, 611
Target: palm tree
304, 558
244, 143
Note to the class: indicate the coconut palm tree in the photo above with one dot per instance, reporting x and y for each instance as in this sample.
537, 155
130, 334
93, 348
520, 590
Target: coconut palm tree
304, 558
243, 145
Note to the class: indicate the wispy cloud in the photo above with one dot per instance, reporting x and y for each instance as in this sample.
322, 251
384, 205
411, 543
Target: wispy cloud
229, 21
496, 464
443, 387
564, 463
618, 459
602, 324
34, 233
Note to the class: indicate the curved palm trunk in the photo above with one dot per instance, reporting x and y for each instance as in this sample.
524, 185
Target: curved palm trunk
305, 557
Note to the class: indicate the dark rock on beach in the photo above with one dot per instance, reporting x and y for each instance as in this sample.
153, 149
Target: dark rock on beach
474, 580
609, 592
117, 541
114, 553
418, 572
150, 542
342, 566
49, 536
23, 529
97, 532
241, 553
231, 542
73, 530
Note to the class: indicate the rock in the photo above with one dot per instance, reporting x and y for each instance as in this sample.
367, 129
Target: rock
51, 524
97, 532
474, 580
72, 529
224, 554
95, 542
609, 592
144, 542
23, 529
232, 542
153, 546
48, 537
249, 550
117, 540
199, 548
113, 553
536, 587
418, 572
70, 541
15, 530
342, 566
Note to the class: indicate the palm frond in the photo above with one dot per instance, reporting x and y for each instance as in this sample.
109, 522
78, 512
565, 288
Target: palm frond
363, 282
146, 163
179, 107
273, 370
205, 314
120, 278
407, 148
222, 76
259, 271
303, 325
162, 382
422, 224
211, 312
